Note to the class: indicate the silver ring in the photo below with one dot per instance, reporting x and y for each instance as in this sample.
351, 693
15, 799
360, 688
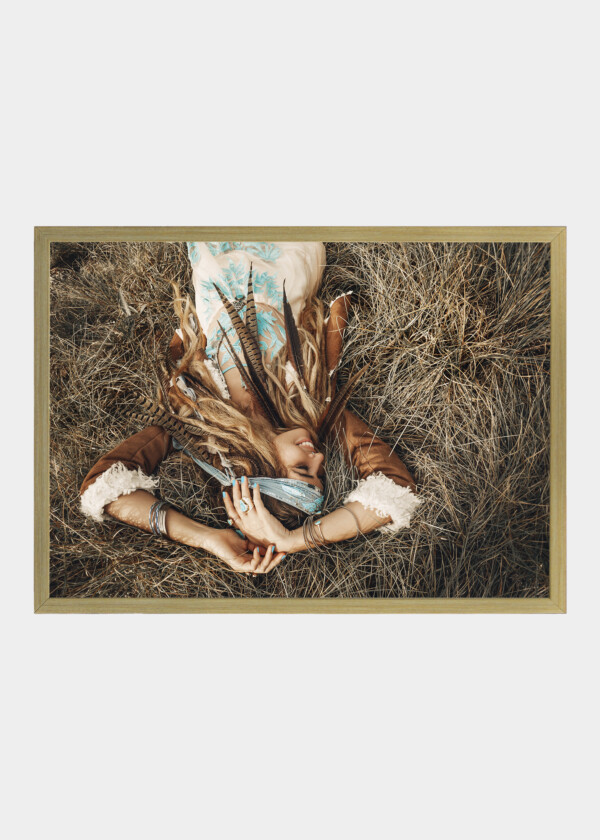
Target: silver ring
246, 504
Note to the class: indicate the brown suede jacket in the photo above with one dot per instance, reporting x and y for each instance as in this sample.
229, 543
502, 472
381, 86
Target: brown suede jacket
362, 449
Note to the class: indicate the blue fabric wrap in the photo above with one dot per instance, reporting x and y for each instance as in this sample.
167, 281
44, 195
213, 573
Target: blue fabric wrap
297, 493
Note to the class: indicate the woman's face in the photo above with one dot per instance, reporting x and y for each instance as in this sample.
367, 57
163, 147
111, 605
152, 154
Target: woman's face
298, 454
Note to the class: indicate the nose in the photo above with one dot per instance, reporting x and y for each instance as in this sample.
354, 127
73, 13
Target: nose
316, 459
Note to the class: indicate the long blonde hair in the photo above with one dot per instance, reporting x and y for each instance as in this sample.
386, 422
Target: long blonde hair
230, 436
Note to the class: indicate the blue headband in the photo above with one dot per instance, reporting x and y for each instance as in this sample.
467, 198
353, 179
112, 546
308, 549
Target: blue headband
294, 492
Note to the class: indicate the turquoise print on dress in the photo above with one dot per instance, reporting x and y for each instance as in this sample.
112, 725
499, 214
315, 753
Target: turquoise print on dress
192, 249
267, 251
235, 277
232, 280
269, 332
217, 248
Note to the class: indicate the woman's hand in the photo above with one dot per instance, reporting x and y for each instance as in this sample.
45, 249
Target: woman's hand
258, 523
242, 555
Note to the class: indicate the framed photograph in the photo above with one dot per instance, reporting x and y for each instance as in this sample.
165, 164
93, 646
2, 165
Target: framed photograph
304, 419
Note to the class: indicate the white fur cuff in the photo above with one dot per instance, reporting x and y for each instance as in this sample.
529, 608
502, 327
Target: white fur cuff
116, 481
379, 493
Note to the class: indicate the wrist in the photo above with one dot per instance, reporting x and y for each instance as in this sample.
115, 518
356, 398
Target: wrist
294, 541
182, 529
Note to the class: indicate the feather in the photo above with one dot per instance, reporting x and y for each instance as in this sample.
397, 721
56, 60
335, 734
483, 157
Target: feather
254, 384
169, 361
337, 405
251, 320
199, 386
247, 340
153, 413
294, 347
162, 379
264, 395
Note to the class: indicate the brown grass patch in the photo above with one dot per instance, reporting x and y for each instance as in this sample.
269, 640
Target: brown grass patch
458, 341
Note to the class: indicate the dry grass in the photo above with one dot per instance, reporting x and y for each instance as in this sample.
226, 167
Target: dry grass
457, 336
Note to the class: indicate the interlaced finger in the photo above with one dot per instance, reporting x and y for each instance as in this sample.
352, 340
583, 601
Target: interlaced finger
266, 560
258, 502
277, 558
231, 511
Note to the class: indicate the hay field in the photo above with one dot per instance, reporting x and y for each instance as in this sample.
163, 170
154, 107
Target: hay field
458, 341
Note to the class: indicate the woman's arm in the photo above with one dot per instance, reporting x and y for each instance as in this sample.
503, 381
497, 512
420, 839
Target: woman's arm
385, 496
120, 484
134, 509
339, 525
126, 468
385, 487
240, 554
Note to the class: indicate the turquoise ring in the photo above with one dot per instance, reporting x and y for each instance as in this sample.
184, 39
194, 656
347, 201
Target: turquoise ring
246, 504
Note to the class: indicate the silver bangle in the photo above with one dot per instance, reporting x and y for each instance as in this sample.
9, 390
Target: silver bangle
320, 531
309, 540
357, 522
312, 540
157, 518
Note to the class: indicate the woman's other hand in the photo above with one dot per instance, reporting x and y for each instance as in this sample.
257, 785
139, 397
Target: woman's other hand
242, 555
258, 523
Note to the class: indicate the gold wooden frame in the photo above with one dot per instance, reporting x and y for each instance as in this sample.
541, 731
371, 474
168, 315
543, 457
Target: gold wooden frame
556, 603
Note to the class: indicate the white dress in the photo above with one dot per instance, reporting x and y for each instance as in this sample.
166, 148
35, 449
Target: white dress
227, 264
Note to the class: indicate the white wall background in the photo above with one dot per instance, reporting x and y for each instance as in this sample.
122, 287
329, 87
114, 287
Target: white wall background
300, 726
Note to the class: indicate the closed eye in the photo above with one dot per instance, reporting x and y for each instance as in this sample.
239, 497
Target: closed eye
304, 471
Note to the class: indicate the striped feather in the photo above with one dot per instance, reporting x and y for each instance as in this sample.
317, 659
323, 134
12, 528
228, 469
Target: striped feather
150, 412
247, 340
253, 383
169, 361
198, 386
162, 379
251, 319
294, 347
337, 405
263, 393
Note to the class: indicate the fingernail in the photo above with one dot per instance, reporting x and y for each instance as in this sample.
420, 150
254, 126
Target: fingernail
284, 556
237, 531
224, 494
234, 481
272, 549
242, 479
230, 521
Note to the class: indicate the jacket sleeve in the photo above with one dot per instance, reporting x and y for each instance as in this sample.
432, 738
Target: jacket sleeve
126, 468
385, 485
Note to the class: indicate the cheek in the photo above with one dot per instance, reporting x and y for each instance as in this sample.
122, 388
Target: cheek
291, 454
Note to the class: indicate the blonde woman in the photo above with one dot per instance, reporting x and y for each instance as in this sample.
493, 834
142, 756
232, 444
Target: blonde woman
247, 389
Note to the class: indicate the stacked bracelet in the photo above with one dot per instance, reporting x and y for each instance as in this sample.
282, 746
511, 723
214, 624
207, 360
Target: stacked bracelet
312, 539
157, 518
357, 522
